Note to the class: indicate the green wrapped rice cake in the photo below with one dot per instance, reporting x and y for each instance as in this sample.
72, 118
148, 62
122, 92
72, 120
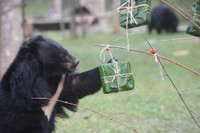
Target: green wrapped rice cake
116, 77
192, 29
140, 15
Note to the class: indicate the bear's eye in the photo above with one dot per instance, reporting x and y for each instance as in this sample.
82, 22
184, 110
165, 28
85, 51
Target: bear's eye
63, 55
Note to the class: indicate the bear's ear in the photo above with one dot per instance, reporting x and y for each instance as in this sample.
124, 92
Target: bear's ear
23, 52
30, 46
33, 39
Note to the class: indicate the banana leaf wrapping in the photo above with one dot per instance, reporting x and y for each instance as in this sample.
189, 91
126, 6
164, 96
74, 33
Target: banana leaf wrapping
140, 15
114, 82
192, 29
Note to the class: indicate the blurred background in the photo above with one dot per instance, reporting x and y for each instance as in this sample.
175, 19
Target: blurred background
79, 24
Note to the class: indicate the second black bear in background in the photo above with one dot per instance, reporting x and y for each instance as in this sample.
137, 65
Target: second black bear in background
162, 17
84, 11
81, 10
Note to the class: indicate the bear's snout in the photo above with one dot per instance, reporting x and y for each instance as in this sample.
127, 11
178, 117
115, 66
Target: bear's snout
76, 62
72, 64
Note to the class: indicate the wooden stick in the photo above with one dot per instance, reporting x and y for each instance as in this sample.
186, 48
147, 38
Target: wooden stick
198, 115
162, 57
189, 89
172, 126
177, 39
92, 110
52, 102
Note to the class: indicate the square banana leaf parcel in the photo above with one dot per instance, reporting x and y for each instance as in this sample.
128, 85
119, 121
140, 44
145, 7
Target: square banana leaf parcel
141, 12
114, 82
192, 29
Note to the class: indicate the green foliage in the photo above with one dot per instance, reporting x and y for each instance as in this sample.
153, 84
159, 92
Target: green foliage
152, 107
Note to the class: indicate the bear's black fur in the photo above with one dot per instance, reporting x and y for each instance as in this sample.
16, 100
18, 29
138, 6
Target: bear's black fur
162, 17
36, 72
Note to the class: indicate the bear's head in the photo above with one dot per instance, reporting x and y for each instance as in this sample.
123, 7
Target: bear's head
51, 56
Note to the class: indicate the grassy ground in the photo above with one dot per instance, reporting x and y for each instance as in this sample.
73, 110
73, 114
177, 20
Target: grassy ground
156, 107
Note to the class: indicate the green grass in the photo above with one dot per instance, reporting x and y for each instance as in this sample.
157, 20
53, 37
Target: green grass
152, 107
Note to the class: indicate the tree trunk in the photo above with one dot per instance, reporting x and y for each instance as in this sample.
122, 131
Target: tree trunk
115, 16
10, 31
58, 8
73, 34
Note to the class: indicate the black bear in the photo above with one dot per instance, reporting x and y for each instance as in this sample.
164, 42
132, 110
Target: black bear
36, 72
84, 11
81, 10
162, 17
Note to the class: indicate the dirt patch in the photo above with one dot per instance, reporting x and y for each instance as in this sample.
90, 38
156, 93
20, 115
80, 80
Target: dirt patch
181, 53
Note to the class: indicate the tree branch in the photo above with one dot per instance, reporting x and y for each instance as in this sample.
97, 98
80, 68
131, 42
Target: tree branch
180, 13
172, 82
148, 53
94, 111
